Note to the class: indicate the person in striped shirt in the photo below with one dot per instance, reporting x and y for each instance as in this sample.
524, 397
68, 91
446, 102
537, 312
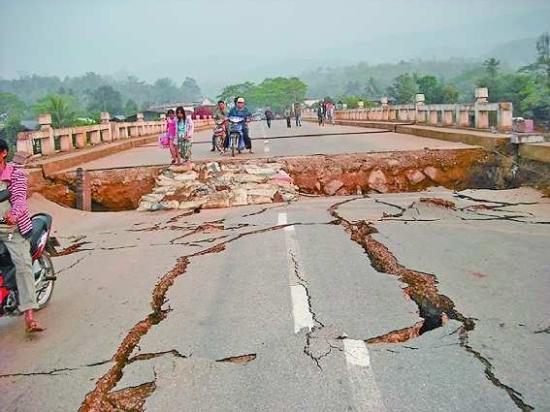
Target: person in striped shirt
15, 234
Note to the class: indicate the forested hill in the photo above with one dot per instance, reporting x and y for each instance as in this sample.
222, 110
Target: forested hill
363, 79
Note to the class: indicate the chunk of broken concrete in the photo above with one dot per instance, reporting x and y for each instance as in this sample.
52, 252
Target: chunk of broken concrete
197, 204
332, 187
377, 181
240, 197
217, 200
415, 176
432, 173
213, 167
170, 204
186, 177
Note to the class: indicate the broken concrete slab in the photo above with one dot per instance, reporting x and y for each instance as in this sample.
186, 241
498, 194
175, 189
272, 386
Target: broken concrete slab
219, 187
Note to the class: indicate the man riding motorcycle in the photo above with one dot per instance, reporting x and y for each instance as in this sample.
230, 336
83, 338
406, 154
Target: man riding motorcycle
220, 131
15, 230
241, 111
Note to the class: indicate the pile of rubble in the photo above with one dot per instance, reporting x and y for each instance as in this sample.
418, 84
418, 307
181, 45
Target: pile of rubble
214, 185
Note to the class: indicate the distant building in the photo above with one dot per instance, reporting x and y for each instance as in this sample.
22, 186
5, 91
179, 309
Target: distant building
148, 115
309, 101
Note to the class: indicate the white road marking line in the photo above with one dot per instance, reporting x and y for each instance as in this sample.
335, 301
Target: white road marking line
301, 312
300, 309
365, 391
282, 220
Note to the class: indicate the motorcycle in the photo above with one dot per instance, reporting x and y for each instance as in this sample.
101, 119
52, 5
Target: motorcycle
236, 134
42, 268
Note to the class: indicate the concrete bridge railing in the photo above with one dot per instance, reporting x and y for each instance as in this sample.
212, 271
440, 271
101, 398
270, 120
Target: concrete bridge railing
478, 115
48, 140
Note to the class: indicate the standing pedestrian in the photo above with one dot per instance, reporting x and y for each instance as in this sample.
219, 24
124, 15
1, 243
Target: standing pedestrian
268, 117
287, 117
298, 114
320, 115
185, 129
171, 132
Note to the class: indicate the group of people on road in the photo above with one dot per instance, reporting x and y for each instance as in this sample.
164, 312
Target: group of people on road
325, 112
179, 135
220, 137
295, 111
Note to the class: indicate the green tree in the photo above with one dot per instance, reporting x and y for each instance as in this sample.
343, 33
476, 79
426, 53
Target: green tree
10, 103
190, 90
278, 92
165, 91
105, 99
12, 126
234, 90
403, 88
435, 91
449, 94
352, 102
541, 67
430, 87
130, 107
491, 66
62, 108
372, 90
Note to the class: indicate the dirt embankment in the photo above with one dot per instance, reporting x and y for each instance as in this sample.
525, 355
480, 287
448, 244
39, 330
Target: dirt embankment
345, 174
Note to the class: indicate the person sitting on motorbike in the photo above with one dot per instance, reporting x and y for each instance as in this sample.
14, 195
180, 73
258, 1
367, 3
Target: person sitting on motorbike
220, 131
241, 111
15, 232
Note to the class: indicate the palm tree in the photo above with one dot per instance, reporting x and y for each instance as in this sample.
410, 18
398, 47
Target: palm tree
491, 67
60, 108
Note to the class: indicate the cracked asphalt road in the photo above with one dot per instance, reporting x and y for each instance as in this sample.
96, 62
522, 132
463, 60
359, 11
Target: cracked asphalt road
273, 308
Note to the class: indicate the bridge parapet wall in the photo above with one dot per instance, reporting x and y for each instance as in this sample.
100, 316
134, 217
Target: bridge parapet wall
48, 140
478, 115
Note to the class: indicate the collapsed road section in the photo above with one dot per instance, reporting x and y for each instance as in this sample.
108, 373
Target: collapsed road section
238, 182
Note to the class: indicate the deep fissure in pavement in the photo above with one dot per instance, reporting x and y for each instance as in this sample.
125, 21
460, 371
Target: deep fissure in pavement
98, 400
320, 174
434, 308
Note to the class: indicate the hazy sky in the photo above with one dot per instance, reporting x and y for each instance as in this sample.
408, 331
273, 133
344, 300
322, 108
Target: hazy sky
213, 39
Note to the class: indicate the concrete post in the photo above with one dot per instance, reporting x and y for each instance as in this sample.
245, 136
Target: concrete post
47, 144
419, 107
481, 114
482, 119
66, 142
95, 137
81, 140
447, 118
433, 117
504, 116
106, 135
83, 191
24, 143
463, 117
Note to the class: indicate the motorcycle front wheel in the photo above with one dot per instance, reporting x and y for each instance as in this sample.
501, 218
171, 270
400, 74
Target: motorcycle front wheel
46, 282
234, 143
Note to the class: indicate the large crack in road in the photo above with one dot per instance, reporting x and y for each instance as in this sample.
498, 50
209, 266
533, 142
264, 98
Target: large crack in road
101, 397
433, 307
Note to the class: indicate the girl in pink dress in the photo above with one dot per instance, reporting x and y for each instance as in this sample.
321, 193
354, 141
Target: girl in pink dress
171, 132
